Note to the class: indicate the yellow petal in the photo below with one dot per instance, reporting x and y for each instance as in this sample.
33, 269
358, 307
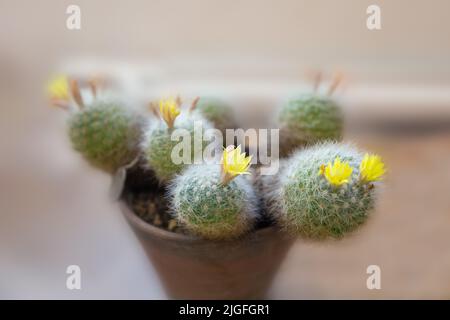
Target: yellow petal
234, 162
321, 170
58, 88
169, 111
371, 168
338, 172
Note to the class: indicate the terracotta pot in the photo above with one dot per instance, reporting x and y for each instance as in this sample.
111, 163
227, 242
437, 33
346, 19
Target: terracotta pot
193, 268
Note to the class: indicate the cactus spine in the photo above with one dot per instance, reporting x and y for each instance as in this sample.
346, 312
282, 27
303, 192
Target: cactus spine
216, 111
321, 191
157, 145
216, 203
105, 131
310, 118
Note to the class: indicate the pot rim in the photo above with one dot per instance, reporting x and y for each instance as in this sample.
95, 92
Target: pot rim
178, 237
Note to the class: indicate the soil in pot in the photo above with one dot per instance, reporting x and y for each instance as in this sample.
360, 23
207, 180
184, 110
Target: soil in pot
153, 208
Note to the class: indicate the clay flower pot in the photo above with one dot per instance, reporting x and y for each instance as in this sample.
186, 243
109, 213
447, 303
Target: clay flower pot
193, 268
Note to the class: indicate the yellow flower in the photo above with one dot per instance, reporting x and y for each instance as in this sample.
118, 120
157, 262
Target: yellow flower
321, 170
371, 168
337, 173
58, 89
169, 109
234, 163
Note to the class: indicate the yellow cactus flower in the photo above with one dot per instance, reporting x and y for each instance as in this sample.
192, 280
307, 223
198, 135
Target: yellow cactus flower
234, 163
169, 110
58, 89
371, 168
321, 170
337, 173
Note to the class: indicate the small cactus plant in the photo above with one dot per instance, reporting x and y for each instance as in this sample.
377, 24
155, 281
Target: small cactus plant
104, 131
216, 203
217, 112
158, 145
324, 191
309, 118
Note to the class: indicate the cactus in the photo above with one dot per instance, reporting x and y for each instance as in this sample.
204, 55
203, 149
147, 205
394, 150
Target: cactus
324, 191
216, 204
217, 112
308, 119
104, 131
157, 145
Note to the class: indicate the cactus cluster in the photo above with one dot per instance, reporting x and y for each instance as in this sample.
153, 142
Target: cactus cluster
321, 191
159, 143
216, 111
324, 188
105, 131
210, 208
308, 119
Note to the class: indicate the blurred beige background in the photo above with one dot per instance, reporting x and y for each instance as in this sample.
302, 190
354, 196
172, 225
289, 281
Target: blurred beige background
54, 209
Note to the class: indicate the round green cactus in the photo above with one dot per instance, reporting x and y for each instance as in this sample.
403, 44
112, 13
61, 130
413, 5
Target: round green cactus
158, 143
307, 120
104, 131
321, 191
216, 111
106, 134
210, 209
